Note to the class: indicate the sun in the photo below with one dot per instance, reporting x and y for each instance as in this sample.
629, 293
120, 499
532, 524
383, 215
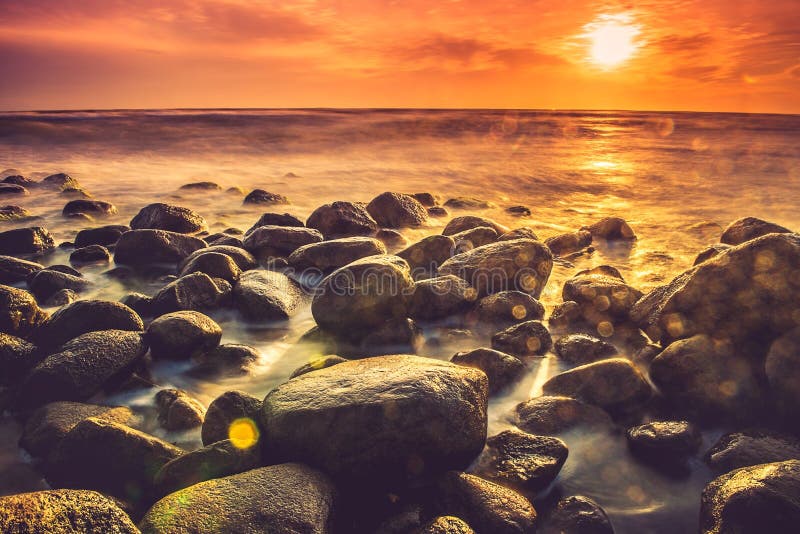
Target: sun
612, 40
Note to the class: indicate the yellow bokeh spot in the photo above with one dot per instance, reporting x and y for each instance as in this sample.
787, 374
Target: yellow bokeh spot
243, 433
533, 344
519, 311
605, 329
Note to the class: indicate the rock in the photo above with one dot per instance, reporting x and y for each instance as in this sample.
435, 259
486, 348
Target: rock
446, 524
425, 256
178, 411
710, 252
564, 316
603, 296
82, 367
581, 349
235, 190
362, 295
62, 297
243, 259
16, 179
503, 310
48, 425
85, 316
60, 181
746, 293
160, 216
470, 222
276, 219
613, 384
225, 410
182, 334
13, 213
484, 505
553, 415
748, 228
144, 247
217, 460
80, 194
267, 296
578, 515
751, 447
201, 186
224, 239
90, 254
330, 255
17, 356
440, 297
611, 228
259, 196
523, 339
438, 211
523, 461
228, 360
475, 237
568, 243
501, 369
63, 511
386, 420
426, 199
761, 498
196, 291
397, 336
396, 210
111, 458
783, 374
519, 211
43, 284
19, 313
664, 440
279, 241
14, 270
518, 233
88, 207
342, 219
104, 235
390, 238
703, 377
467, 203
140, 303
32, 240
322, 362
278, 498
214, 264
7, 189
66, 269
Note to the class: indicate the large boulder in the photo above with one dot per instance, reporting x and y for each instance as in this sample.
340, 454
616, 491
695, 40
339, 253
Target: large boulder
782, 367
751, 447
33, 240
388, 419
330, 255
342, 219
602, 295
267, 296
160, 216
761, 498
20, 315
440, 297
748, 228
17, 356
425, 256
144, 247
397, 210
243, 259
748, 292
223, 411
501, 369
47, 282
104, 235
14, 270
285, 498
279, 241
524, 339
84, 316
554, 415
196, 291
63, 512
182, 334
520, 264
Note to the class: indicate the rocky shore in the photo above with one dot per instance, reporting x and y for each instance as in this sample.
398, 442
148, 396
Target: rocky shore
374, 435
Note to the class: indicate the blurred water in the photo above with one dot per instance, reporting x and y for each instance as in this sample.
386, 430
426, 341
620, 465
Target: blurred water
678, 178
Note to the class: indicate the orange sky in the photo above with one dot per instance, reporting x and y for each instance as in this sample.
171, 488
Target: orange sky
715, 55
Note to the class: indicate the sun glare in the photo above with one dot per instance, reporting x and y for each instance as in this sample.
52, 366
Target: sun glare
612, 40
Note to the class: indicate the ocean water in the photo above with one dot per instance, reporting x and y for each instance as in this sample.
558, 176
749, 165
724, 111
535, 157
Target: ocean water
677, 178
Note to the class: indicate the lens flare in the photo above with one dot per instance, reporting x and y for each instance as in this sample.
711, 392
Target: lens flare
243, 433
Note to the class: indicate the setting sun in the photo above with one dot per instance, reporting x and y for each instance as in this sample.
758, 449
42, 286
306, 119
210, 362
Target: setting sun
612, 40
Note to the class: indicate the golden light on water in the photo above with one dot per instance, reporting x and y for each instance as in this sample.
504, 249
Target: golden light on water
243, 433
612, 40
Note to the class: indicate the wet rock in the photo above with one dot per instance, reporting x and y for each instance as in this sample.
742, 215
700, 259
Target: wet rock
440, 297
85, 316
580, 349
196, 291
664, 440
13, 213
748, 228
178, 411
217, 460
17, 356
396, 210
267, 296
611, 228
17, 179
224, 410
475, 237
613, 384
564, 316
62, 297
111, 458
390, 238
553, 415
201, 186
140, 303
143, 247
278, 498
14, 270
425, 256
259, 196
227, 360
523, 339
103, 235
76, 193
63, 511
501, 369
243, 259
330, 255
48, 425
398, 336
710, 252
82, 367
520, 264
322, 362
761, 498
32, 240
60, 182
503, 310
214, 264
20, 315
520, 460
484, 505
468, 203
363, 295
93, 208
470, 222
746, 293
519, 211
783, 373
66, 269
161, 216
568, 243
518, 233
446, 524
751, 447
703, 377
279, 241
603, 296
438, 211
90, 254
342, 219
225, 239
386, 419
182, 334
7, 190
578, 515
426, 199
276, 219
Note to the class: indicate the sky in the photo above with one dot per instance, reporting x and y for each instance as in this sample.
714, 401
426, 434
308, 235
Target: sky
706, 55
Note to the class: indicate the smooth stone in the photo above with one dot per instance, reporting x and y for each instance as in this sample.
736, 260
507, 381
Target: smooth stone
503, 310
201, 186
225, 360
475, 237
88, 207
17, 179
710, 252
518, 233
140, 303
32, 240
104, 235
259, 196
470, 222
333, 254
426, 199
7, 189
322, 362
14, 270
214, 264
611, 228
62, 297
523, 339
502, 369
554, 415
662, 440
17, 357
425, 256
90, 254
342, 219
751, 447
20, 315
568, 243
85, 316
193, 292
43, 284
267, 296
161, 216
280, 241
440, 297
581, 349
178, 411
243, 259
438, 211
603, 296
276, 219
397, 210
519, 211
578, 515
182, 334
747, 228
226, 240
60, 181
466, 203
565, 316
391, 238
143, 247
224, 410
445, 524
